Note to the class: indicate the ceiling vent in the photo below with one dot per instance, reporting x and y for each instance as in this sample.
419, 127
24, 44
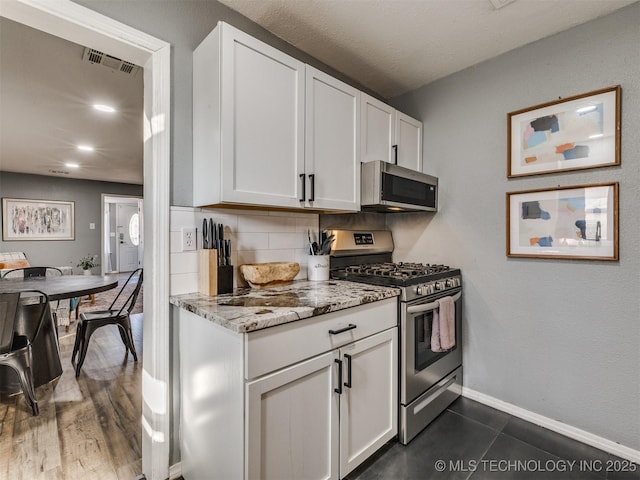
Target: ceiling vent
96, 56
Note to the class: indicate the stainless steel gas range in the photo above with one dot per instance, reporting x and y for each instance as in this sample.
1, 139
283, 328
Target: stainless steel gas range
430, 375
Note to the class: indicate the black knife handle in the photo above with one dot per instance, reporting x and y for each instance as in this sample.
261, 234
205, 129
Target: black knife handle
205, 229
395, 154
312, 177
304, 193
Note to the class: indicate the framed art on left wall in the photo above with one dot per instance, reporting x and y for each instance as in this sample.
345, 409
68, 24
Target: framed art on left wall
28, 219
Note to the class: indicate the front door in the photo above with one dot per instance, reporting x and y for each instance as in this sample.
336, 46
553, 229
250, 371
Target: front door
128, 236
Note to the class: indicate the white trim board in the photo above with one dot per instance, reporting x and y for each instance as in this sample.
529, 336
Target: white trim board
175, 471
555, 426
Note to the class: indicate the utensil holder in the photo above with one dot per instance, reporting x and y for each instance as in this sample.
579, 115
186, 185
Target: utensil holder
318, 267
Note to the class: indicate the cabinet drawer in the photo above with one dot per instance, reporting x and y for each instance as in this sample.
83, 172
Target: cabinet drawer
277, 347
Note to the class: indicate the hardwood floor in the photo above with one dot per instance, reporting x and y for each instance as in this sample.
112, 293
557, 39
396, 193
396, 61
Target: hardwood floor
88, 427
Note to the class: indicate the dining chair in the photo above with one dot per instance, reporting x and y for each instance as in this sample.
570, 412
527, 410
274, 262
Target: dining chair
32, 272
118, 314
16, 336
29, 272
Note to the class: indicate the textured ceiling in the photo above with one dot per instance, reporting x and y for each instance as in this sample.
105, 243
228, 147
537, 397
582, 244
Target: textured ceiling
394, 46
46, 97
389, 46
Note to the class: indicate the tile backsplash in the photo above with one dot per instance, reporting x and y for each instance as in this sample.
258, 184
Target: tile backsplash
257, 236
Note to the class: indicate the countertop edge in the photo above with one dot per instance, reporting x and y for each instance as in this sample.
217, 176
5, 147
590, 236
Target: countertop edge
222, 311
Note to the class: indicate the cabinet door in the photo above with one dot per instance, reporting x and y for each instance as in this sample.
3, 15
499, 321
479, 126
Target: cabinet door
332, 143
292, 422
369, 403
262, 119
378, 130
409, 141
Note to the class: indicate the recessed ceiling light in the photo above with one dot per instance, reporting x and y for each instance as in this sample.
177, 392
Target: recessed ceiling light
104, 108
71, 165
596, 135
86, 148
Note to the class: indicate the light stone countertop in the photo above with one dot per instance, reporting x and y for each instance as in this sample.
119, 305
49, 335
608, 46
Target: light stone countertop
249, 309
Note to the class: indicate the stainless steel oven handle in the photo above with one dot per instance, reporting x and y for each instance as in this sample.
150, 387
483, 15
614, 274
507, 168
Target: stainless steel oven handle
429, 306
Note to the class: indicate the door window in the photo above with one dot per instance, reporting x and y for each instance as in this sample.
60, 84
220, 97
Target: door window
134, 229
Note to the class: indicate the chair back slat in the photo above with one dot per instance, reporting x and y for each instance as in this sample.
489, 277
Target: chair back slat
30, 272
8, 308
128, 304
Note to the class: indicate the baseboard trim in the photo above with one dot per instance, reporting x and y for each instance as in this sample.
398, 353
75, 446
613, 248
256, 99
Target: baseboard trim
175, 471
554, 425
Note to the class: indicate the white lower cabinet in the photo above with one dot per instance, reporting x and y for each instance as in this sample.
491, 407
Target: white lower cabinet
293, 431
369, 401
292, 422
310, 399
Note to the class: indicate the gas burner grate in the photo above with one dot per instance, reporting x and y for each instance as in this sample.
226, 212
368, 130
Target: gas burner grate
397, 270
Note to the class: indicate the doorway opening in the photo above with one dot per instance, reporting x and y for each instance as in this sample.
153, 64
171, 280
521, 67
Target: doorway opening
122, 234
73, 22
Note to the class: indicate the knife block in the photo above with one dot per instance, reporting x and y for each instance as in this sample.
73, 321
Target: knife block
213, 279
208, 272
225, 279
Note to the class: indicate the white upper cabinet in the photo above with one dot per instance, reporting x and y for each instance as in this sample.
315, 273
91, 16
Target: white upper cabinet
386, 132
409, 141
378, 130
248, 122
249, 141
332, 143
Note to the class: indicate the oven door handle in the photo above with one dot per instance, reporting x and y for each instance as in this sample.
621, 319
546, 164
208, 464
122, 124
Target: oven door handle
429, 306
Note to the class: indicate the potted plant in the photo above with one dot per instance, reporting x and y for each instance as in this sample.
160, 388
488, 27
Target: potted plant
87, 263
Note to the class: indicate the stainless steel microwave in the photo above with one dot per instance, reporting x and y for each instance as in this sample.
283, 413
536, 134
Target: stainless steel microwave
385, 187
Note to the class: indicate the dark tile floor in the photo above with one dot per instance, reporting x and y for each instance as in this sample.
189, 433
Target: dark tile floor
472, 441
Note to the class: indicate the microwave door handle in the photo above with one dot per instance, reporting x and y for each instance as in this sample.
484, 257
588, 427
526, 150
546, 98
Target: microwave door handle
429, 306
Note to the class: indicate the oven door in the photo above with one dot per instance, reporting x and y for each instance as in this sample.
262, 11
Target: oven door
421, 367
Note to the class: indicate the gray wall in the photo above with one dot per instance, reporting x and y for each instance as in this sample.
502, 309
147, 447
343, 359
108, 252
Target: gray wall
87, 197
184, 24
559, 338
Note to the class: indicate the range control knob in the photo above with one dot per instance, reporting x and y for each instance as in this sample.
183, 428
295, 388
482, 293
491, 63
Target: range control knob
419, 290
448, 282
438, 286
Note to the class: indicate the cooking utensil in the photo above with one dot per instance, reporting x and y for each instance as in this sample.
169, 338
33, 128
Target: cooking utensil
326, 245
310, 243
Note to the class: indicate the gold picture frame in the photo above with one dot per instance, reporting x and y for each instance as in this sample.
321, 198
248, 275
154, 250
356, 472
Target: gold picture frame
573, 133
572, 222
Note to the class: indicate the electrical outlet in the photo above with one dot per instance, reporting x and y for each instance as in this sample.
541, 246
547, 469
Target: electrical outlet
188, 238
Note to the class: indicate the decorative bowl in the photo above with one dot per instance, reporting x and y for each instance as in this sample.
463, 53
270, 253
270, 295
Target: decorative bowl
261, 275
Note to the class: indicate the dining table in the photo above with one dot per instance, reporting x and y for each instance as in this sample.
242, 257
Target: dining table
46, 364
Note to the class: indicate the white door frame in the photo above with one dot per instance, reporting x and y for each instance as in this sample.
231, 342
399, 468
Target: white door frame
79, 24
